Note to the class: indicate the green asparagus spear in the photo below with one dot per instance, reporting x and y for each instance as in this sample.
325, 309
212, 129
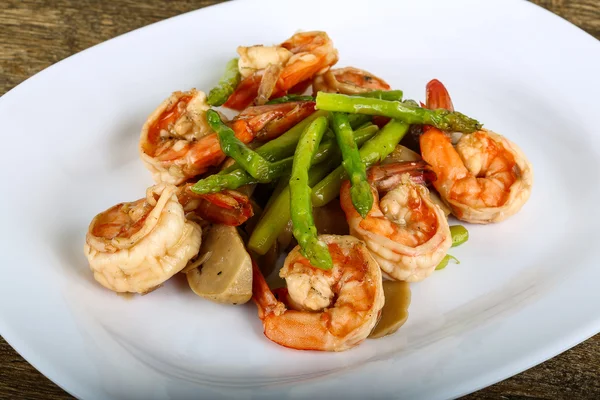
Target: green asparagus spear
272, 222
410, 102
227, 84
358, 120
390, 95
238, 177
290, 97
460, 235
250, 160
303, 224
361, 194
442, 119
374, 150
283, 146
277, 215
445, 261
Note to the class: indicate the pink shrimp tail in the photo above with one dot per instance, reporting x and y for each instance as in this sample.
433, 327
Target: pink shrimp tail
438, 96
262, 296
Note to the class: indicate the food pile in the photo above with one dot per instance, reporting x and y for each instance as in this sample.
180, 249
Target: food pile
329, 168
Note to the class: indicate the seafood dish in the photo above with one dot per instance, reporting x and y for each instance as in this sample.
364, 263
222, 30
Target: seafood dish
322, 200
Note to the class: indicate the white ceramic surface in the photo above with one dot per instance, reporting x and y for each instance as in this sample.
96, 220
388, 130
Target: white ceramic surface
526, 289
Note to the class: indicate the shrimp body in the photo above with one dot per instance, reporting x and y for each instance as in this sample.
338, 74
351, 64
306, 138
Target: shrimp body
275, 70
176, 142
135, 247
267, 122
484, 178
313, 53
256, 58
335, 310
228, 207
405, 231
348, 80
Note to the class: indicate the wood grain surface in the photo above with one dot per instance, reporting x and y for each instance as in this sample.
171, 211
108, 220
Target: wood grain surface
35, 34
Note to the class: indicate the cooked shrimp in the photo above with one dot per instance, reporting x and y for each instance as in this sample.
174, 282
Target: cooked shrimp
309, 53
336, 309
405, 231
256, 58
135, 247
348, 80
484, 178
269, 121
228, 207
313, 54
177, 144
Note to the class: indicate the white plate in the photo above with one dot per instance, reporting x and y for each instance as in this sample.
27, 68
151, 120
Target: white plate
526, 288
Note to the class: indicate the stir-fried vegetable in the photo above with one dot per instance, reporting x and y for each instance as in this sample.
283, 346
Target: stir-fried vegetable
445, 261
277, 213
395, 311
390, 95
441, 119
284, 158
238, 177
304, 228
251, 161
227, 84
460, 235
361, 194
374, 150
283, 146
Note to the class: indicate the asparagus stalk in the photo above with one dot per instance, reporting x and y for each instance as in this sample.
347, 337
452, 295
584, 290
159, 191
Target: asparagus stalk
227, 84
251, 161
390, 95
277, 214
238, 177
361, 194
441, 119
303, 224
373, 151
283, 146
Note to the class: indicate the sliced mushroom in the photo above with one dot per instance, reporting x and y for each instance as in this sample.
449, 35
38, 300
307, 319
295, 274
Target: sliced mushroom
395, 311
226, 275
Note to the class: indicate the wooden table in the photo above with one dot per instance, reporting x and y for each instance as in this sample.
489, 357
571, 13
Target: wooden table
35, 34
